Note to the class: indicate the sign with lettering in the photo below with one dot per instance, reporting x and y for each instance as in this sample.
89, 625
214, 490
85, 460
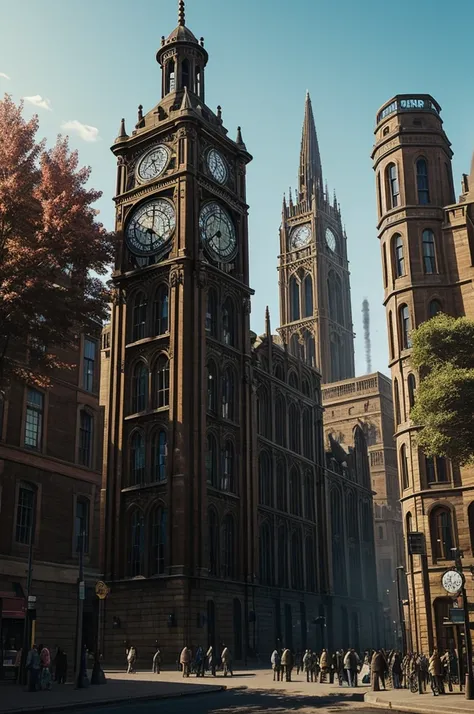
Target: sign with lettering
416, 543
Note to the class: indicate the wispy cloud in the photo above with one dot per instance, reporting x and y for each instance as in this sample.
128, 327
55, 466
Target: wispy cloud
4, 76
38, 101
84, 131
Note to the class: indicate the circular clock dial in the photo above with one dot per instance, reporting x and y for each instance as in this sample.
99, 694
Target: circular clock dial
300, 236
217, 166
217, 232
151, 226
331, 240
153, 163
452, 581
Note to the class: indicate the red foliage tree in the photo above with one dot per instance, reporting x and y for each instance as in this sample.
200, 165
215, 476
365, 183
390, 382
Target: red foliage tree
52, 250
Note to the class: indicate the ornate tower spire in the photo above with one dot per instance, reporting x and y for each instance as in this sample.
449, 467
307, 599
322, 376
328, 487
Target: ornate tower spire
311, 173
181, 13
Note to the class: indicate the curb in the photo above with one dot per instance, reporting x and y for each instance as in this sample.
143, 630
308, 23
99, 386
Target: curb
118, 700
376, 701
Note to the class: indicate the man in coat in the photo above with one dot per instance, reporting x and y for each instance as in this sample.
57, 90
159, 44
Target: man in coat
185, 661
435, 669
287, 663
378, 667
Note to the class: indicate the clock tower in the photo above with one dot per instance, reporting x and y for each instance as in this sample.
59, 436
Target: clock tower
315, 304
178, 403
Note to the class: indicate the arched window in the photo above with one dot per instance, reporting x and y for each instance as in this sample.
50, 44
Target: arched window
337, 358
139, 317
398, 255
228, 323
305, 387
295, 492
295, 345
296, 561
278, 370
228, 395
409, 523
393, 186
390, 332
442, 534
295, 312
140, 388
266, 552
228, 468
434, 308
293, 380
162, 382
264, 476
404, 467
470, 516
137, 543
282, 557
295, 428
161, 310
228, 547
384, 265
211, 313
411, 384
336, 311
199, 82
159, 453
211, 460
310, 564
422, 184
213, 545
307, 434
405, 327
137, 459
396, 394
280, 420
86, 438
309, 349
170, 77
429, 253
308, 296
185, 74
436, 471
281, 486
158, 540
309, 496
211, 388
263, 413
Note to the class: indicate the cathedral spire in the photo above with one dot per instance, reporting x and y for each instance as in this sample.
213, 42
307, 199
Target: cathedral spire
311, 173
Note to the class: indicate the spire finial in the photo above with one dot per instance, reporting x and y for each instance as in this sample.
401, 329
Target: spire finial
239, 141
310, 160
122, 131
268, 329
181, 13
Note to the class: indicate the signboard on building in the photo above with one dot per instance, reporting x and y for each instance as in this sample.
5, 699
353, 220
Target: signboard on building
416, 543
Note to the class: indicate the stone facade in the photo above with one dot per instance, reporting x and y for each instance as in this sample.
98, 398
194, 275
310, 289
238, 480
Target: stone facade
427, 244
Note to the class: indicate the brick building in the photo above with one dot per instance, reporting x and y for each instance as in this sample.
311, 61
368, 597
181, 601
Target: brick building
216, 487
427, 243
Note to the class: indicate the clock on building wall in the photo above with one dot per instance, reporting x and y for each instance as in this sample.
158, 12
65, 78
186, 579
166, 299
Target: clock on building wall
217, 232
331, 241
217, 166
452, 581
153, 163
151, 226
300, 236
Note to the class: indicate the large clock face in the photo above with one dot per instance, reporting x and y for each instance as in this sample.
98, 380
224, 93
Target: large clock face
217, 166
151, 227
217, 232
331, 241
300, 236
153, 163
452, 581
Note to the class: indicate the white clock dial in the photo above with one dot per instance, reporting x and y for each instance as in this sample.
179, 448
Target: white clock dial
151, 227
300, 236
452, 581
217, 166
217, 232
153, 163
331, 241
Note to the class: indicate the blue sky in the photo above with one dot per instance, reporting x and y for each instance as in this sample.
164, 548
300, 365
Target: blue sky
95, 62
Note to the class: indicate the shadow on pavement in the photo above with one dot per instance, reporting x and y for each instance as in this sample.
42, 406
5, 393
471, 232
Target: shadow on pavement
276, 701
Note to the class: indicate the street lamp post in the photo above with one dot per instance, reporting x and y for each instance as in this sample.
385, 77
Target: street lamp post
28, 617
467, 629
401, 615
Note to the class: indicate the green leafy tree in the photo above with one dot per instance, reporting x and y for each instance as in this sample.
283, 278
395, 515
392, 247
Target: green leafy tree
443, 354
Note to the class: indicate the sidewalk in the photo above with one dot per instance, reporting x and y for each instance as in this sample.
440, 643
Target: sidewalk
405, 701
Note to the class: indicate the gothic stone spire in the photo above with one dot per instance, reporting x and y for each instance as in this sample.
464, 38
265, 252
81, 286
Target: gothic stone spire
311, 174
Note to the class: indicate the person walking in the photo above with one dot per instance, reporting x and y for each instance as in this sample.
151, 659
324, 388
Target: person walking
199, 662
435, 669
33, 668
287, 662
211, 660
339, 666
323, 665
157, 661
60, 662
45, 667
397, 670
276, 665
226, 659
131, 660
185, 660
350, 666
298, 662
379, 668
307, 665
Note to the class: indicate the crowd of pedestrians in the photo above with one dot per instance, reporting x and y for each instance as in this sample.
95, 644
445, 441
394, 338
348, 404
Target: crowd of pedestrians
343, 666
42, 669
197, 662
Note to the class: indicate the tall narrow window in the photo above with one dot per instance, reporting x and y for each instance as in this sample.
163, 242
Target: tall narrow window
295, 346
280, 420
393, 186
390, 335
396, 393
213, 544
159, 453
398, 255
81, 526
404, 467
308, 296
295, 312
228, 394
139, 317
296, 561
295, 428
24, 514
307, 434
336, 309
295, 492
281, 486
170, 77
309, 349
379, 195
309, 496
211, 460
137, 459
282, 557
140, 388
228, 323
442, 536
86, 430
34, 419
161, 310
185, 74
264, 478
211, 388
228, 466
137, 543
422, 182
429, 255
434, 308
158, 540
436, 471
411, 384
88, 365
266, 552
263, 413
384, 265
211, 313
162, 382
228, 547
405, 328
310, 564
